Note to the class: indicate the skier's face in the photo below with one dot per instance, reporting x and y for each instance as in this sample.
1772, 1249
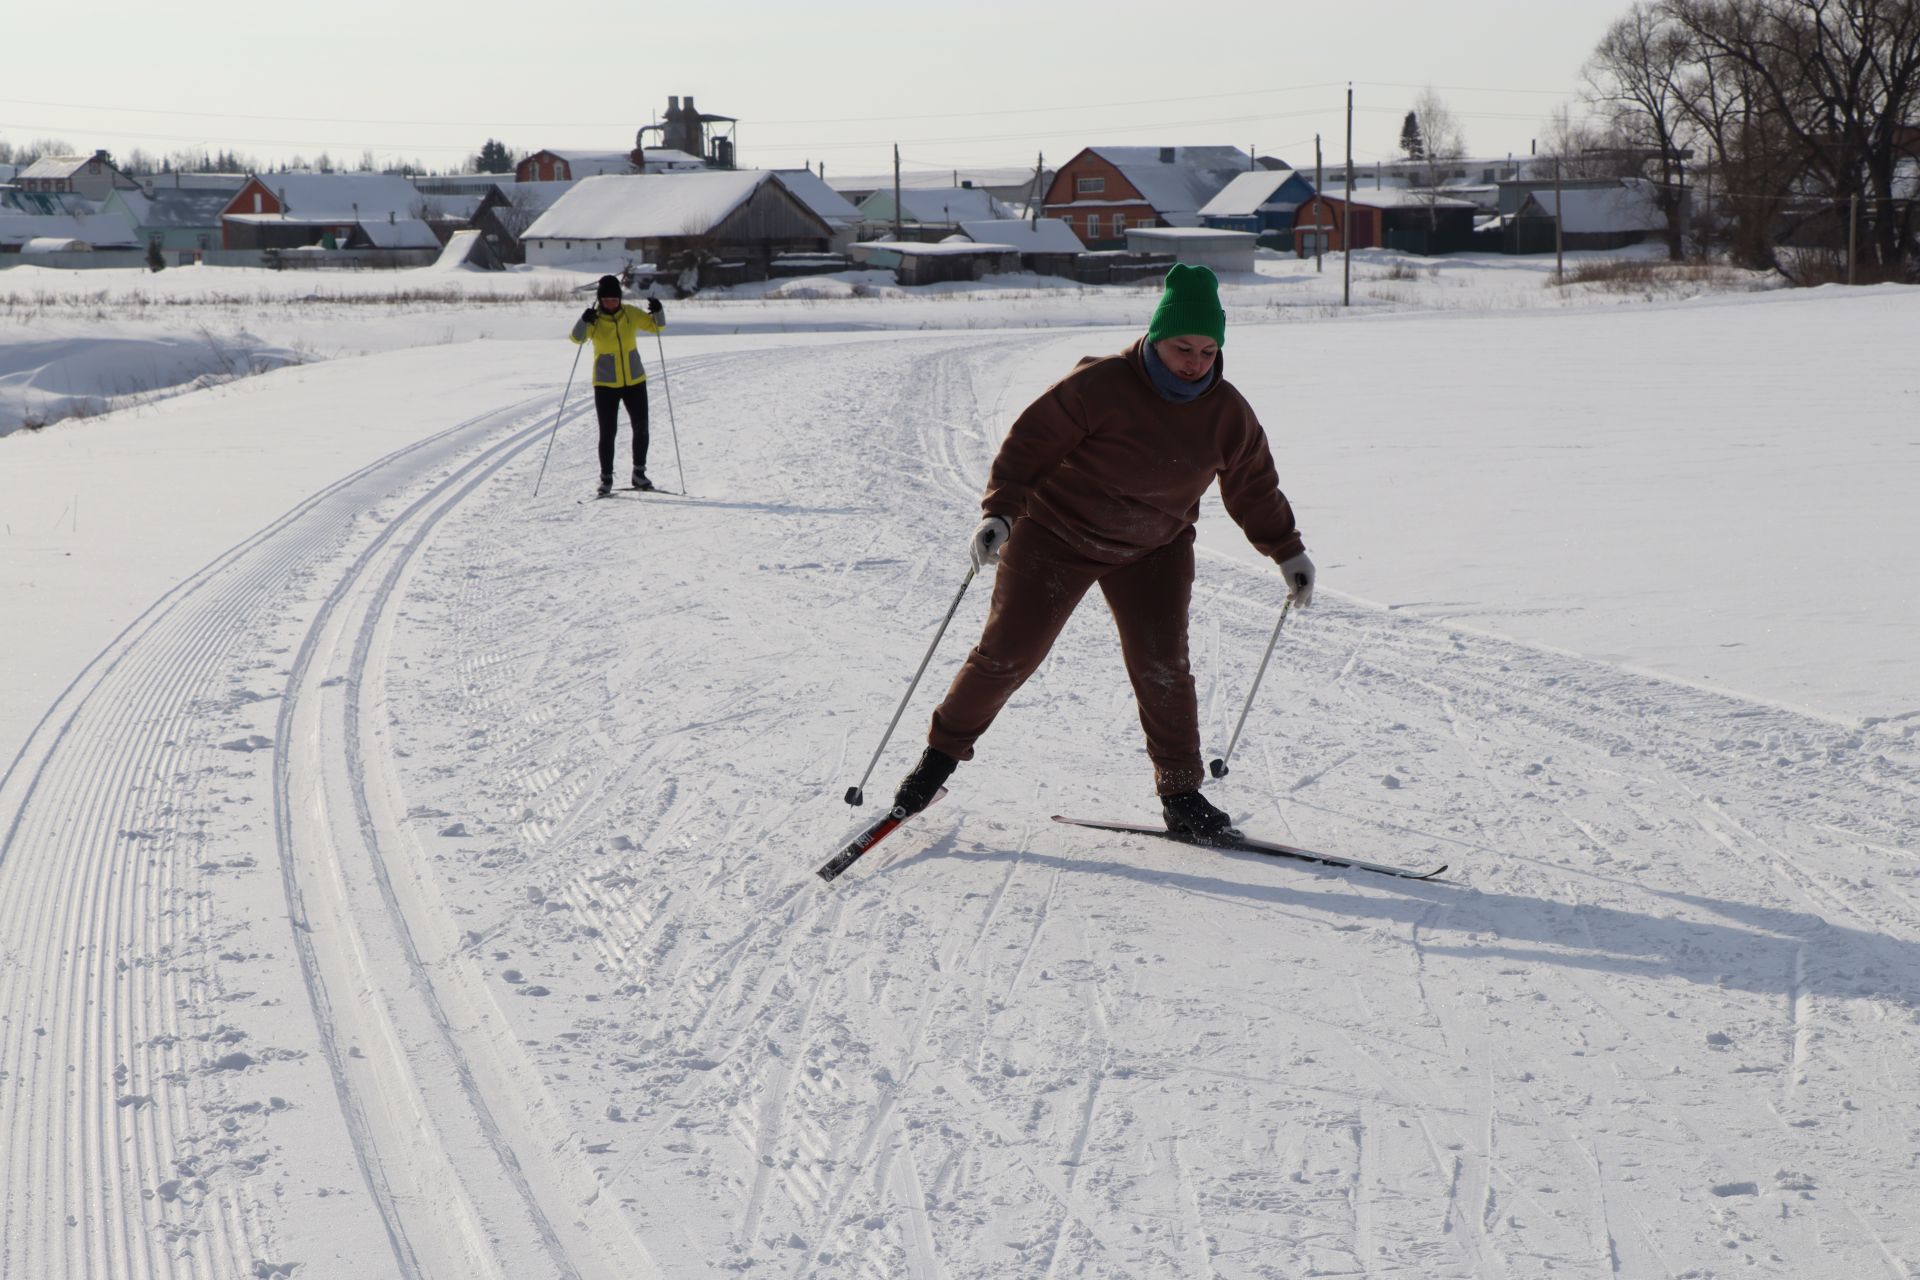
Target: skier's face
609, 304
1190, 356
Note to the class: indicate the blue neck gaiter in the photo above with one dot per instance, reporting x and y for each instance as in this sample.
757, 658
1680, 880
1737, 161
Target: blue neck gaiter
1168, 383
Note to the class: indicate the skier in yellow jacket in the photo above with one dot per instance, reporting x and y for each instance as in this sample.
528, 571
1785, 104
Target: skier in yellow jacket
618, 376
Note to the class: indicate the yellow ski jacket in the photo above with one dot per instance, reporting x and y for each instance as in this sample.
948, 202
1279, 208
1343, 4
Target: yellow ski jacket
616, 347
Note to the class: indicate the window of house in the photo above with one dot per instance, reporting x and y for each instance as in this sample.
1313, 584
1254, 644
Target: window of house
256, 202
1119, 225
1090, 186
1093, 226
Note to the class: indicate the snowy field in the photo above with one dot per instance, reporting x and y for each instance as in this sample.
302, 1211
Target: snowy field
403, 874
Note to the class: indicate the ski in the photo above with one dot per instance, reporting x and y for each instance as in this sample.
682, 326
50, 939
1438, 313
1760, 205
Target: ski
876, 831
1234, 842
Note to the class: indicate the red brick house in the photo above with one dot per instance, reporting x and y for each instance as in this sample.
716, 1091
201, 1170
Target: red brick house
1414, 222
1103, 191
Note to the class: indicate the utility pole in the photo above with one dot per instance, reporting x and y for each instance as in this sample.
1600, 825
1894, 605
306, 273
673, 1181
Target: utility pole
1034, 194
896, 191
1346, 213
1319, 207
1559, 223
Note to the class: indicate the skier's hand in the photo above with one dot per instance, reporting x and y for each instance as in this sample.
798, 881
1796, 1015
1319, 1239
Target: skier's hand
590, 315
656, 310
1298, 571
984, 547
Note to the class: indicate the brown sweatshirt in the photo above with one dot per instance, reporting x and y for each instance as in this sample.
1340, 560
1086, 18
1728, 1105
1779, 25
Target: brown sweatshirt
1115, 470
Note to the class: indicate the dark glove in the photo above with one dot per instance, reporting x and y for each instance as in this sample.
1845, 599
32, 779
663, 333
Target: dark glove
655, 310
589, 315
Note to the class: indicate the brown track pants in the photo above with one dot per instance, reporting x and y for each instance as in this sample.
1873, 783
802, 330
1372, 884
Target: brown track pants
1039, 583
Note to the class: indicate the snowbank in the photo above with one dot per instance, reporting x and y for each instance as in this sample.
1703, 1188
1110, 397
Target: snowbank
64, 371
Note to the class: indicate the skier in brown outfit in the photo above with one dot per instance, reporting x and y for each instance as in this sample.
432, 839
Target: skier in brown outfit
1099, 481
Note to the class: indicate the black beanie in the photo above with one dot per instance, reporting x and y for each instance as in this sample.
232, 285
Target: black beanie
609, 287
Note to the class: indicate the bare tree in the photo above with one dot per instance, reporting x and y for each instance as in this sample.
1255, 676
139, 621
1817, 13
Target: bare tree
1442, 145
1583, 148
1635, 76
1837, 83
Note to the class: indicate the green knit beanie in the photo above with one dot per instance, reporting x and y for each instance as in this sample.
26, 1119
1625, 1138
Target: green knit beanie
1190, 303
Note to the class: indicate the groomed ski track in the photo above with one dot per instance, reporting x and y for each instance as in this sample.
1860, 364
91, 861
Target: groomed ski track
426, 888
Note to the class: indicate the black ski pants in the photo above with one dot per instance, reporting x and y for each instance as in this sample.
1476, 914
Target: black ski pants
606, 403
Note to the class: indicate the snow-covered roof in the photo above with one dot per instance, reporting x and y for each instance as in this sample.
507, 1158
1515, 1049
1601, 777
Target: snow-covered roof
1248, 194
1398, 198
667, 158
938, 204
923, 178
54, 167
55, 244
1048, 235
451, 208
536, 197
181, 209
588, 164
1193, 235
98, 230
341, 197
1194, 176
402, 233
1593, 210
948, 248
175, 180
640, 206
817, 195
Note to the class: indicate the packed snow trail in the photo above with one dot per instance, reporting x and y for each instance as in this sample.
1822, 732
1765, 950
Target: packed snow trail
1663, 1020
427, 888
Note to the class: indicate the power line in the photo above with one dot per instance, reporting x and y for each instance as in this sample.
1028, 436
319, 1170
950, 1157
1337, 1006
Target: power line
602, 124
783, 146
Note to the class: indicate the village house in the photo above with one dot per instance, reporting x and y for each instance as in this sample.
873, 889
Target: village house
1103, 191
89, 177
1387, 218
914, 262
833, 208
1047, 246
39, 232
571, 166
1012, 186
1603, 215
932, 213
505, 213
300, 210
745, 217
184, 222
1262, 201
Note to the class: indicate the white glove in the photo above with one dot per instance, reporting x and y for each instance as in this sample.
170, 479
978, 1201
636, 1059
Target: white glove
1298, 571
985, 545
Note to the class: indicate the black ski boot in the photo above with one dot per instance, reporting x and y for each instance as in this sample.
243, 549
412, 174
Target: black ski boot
641, 482
1189, 815
606, 487
916, 789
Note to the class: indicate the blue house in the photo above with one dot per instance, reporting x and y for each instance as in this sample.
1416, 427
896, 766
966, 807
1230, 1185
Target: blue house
1264, 200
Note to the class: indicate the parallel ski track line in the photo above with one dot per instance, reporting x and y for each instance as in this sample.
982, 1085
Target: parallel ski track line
101, 770
304, 849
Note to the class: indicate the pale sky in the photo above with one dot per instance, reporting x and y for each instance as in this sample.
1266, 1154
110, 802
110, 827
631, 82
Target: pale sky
957, 86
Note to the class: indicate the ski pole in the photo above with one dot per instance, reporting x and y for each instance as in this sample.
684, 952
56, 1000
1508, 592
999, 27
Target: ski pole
556, 419
670, 422
857, 795
1219, 766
